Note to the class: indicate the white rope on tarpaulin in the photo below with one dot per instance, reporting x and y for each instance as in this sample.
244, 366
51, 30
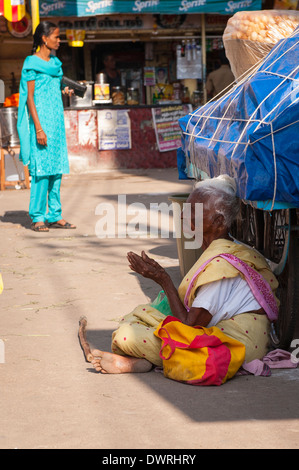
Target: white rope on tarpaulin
238, 84
260, 121
251, 143
248, 74
220, 100
281, 76
260, 104
243, 78
278, 104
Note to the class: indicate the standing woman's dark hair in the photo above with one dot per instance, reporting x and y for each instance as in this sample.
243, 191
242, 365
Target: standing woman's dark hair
45, 28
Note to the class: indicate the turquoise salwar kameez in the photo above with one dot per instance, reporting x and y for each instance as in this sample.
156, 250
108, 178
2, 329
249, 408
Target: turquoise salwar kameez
47, 163
45, 188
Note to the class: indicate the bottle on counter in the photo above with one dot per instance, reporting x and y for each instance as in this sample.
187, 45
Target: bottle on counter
178, 50
194, 55
196, 98
198, 51
176, 91
188, 50
186, 95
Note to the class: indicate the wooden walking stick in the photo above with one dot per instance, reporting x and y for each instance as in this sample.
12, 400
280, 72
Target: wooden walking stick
83, 341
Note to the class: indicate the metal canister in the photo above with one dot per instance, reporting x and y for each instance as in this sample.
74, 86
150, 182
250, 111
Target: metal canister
132, 96
8, 122
86, 101
101, 78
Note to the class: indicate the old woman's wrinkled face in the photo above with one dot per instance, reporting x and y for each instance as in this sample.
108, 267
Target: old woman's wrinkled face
210, 221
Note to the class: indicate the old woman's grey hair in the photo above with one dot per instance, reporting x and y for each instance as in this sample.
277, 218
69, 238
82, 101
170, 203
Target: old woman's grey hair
221, 193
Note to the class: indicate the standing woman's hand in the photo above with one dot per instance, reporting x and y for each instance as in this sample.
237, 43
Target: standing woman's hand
41, 137
68, 91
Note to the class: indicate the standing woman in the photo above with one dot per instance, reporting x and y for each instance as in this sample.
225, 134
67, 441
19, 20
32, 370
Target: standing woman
41, 129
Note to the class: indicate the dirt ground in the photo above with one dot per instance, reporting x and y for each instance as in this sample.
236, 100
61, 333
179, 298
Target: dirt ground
51, 398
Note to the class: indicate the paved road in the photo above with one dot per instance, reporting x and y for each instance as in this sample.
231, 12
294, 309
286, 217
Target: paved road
51, 398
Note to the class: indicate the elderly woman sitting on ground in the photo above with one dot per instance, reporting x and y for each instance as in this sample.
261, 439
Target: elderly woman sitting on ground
230, 286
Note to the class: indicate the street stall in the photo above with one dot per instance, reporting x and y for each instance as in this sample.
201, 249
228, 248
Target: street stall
251, 133
160, 52
163, 52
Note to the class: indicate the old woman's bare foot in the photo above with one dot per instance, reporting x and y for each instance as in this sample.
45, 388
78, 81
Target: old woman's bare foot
109, 363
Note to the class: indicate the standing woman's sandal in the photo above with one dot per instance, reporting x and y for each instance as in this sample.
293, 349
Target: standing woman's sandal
39, 228
66, 225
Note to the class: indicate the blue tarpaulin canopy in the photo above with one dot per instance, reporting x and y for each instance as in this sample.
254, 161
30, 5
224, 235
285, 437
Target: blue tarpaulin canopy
252, 132
171, 7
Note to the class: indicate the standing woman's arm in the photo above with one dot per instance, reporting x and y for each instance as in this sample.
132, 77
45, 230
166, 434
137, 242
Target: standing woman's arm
40, 134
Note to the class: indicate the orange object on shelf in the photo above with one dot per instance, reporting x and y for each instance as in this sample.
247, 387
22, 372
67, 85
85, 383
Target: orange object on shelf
12, 100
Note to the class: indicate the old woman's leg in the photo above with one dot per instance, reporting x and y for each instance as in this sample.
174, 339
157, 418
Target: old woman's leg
109, 363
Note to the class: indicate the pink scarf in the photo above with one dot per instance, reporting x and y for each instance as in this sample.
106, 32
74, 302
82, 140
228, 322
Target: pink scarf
258, 285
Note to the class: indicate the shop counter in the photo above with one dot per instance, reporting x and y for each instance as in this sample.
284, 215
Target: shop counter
124, 137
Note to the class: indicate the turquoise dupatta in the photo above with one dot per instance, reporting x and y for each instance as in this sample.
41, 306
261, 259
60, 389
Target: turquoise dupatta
32, 63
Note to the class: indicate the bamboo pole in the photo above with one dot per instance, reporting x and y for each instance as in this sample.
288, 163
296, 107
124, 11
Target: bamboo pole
35, 14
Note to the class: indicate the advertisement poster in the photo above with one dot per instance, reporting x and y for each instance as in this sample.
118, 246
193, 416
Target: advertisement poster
149, 76
114, 129
167, 129
87, 128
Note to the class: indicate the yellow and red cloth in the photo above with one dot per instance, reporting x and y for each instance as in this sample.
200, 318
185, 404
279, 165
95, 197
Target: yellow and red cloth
198, 355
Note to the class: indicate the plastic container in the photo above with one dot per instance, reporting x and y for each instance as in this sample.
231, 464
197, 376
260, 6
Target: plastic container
132, 96
118, 95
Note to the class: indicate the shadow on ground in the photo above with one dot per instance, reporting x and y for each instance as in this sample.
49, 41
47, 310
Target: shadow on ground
240, 399
16, 217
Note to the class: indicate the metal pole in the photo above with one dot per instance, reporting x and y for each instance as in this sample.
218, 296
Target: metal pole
34, 14
204, 56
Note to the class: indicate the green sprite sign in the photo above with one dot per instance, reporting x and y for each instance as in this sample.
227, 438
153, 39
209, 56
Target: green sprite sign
170, 7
